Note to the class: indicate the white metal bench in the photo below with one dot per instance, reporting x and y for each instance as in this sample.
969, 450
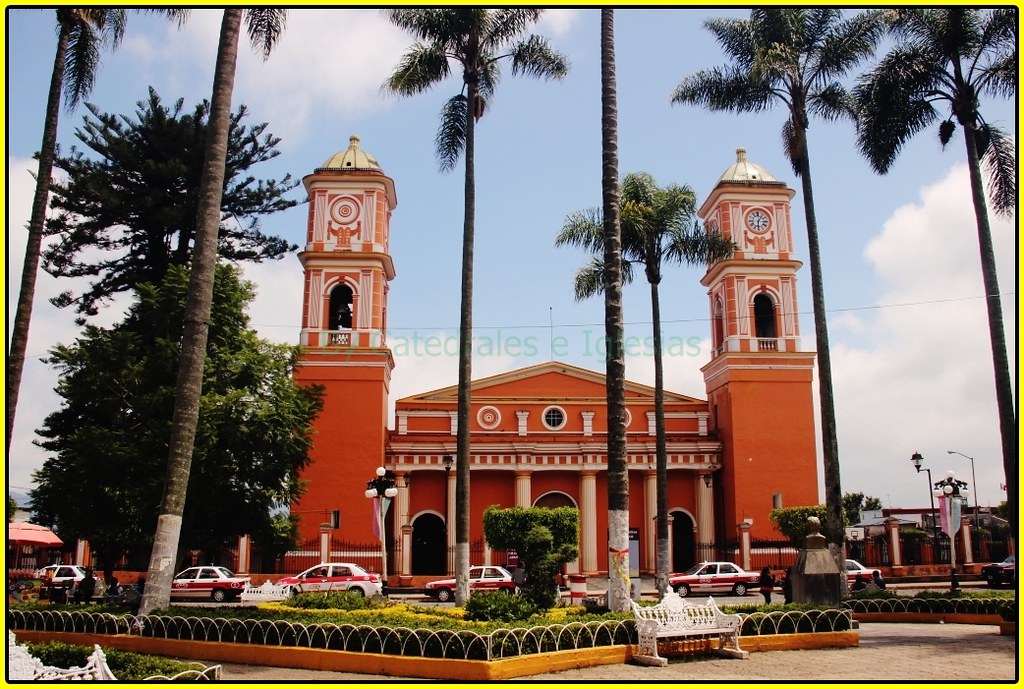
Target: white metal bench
22, 665
674, 617
264, 593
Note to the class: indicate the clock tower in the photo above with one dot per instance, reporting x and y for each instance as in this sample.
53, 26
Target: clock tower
758, 382
347, 267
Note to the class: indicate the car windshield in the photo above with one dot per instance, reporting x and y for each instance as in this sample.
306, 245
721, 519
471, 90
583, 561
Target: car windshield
695, 569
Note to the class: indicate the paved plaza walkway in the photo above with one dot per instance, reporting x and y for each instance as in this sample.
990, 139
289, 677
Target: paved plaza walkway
890, 652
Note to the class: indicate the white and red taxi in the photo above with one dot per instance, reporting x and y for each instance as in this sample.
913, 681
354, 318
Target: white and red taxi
714, 577
334, 576
216, 583
480, 579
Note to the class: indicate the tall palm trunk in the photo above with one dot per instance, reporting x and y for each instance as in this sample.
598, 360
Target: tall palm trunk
615, 365
34, 244
1000, 362
462, 438
834, 531
660, 449
197, 321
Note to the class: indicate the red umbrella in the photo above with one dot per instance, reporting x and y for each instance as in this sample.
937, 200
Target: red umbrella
32, 534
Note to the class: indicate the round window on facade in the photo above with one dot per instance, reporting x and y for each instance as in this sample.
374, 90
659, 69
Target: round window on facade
629, 418
488, 418
553, 418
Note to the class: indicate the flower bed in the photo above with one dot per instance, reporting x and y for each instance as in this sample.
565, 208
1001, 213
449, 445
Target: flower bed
488, 643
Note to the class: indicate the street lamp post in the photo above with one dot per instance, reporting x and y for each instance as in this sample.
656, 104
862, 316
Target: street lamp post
383, 488
974, 480
954, 491
916, 458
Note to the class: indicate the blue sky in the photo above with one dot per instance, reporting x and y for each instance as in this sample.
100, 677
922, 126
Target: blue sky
911, 358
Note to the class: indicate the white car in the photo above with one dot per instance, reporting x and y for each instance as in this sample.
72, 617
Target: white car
481, 578
217, 583
714, 577
334, 576
61, 575
855, 569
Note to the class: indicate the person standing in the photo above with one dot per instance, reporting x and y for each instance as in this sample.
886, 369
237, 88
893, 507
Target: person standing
787, 585
86, 587
767, 583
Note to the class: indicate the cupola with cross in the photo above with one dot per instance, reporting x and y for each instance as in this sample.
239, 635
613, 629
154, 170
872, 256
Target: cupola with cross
758, 382
347, 267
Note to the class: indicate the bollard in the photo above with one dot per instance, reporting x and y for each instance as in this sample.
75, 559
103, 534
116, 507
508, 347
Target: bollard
577, 588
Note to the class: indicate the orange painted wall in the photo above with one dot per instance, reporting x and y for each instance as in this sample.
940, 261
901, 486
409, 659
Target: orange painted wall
348, 446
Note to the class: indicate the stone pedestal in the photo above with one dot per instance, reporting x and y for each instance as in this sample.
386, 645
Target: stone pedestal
816, 578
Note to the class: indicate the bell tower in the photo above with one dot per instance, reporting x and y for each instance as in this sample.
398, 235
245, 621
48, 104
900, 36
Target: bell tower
347, 267
758, 382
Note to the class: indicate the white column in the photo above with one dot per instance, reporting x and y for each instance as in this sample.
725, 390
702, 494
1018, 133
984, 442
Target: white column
588, 521
650, 531
522, 416
524, 489
401, 521
705, 510
449, 510
243, 554
588, 423
325, 544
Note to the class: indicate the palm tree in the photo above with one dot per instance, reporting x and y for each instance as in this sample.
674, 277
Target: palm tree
615, 363
81, 33
794, 56
264, 27
656, 228
954, 56
476, 40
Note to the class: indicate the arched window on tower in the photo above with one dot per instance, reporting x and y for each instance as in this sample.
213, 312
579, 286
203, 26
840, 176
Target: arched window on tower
718, 328
340, 308
764, 317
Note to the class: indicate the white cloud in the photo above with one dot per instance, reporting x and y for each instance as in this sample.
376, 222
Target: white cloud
917, 373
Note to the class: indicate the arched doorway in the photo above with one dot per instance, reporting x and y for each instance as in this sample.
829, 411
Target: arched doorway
429, 548
553, 500
684, 544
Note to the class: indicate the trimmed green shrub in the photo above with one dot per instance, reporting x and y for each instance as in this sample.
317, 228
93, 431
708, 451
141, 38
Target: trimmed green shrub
496, 606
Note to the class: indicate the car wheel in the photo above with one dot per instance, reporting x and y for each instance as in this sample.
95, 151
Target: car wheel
294, 591
683, 590
739, 590
444, 595
357, 591
218, 596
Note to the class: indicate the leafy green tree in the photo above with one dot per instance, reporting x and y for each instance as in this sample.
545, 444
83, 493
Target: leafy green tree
543, 538
855, 503
103, 480
792, 521
12, 507
474, 40
794, 57
128, 212
953, 57
658, 226
264, 27
81, 33
615, 362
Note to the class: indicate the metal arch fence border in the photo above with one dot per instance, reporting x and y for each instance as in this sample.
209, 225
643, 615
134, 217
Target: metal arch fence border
401, 641
795, 622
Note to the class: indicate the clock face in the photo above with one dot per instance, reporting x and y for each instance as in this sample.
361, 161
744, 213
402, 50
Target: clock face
757, 221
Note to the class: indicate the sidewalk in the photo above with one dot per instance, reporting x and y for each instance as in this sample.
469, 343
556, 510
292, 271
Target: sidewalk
892, 652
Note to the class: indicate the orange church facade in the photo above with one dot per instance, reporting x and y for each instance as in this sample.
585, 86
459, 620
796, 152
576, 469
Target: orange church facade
539, 433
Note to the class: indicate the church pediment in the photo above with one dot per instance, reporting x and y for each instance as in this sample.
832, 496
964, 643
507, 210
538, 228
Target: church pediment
551, 380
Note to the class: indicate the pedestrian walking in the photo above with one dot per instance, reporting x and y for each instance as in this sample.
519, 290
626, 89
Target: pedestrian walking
767, 583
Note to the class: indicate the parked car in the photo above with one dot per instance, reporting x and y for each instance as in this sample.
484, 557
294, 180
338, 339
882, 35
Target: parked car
714, 577
334, 576
999, 573
217, 583
854, 568
60, 575
481, 578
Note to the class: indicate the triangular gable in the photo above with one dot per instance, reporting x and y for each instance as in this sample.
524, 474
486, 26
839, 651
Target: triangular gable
549, 380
